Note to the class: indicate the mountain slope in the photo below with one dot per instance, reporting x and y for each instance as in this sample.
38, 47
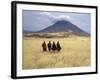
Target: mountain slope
64, 26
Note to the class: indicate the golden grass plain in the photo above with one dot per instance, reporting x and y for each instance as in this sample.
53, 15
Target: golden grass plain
75, 53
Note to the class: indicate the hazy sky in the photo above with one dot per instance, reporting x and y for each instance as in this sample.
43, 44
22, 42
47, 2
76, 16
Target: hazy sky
38, 20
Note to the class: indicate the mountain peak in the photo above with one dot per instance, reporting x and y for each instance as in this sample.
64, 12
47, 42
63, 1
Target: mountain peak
62, 22
64, 26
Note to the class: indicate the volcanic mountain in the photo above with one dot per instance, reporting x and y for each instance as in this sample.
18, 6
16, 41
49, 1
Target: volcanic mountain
64, 26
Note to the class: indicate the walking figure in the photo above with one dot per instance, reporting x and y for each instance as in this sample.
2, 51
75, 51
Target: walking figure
49, 46
58, 46
44, 47
54, 48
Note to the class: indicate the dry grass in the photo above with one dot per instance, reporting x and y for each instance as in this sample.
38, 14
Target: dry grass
75, 52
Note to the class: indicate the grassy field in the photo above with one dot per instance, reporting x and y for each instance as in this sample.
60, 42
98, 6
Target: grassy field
75, 53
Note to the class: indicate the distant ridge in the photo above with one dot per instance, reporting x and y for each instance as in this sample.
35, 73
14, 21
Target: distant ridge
24, 31
64, 26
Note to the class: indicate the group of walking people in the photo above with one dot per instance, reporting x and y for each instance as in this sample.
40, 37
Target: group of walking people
51, 47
